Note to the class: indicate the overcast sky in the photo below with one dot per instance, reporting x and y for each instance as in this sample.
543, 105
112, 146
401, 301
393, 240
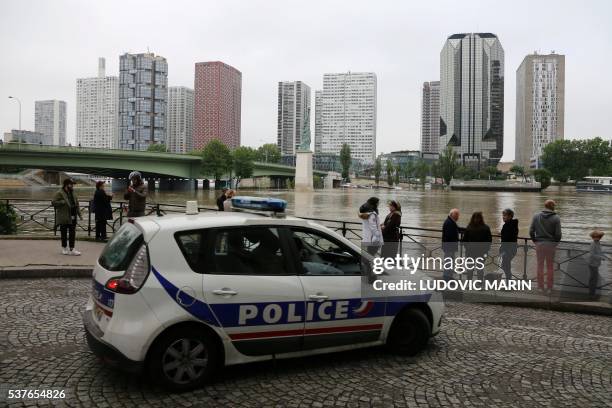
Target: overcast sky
46, 45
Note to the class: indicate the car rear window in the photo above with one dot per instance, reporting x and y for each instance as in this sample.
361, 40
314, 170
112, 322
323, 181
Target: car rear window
121, 248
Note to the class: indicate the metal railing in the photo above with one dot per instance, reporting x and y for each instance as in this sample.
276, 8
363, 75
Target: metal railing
38, 216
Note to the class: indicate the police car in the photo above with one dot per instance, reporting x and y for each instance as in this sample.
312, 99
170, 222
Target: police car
180, 296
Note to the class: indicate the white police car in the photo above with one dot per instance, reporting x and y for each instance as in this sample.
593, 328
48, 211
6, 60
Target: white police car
180, 296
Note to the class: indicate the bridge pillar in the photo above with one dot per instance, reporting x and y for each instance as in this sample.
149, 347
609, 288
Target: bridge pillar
151, 184
205, 184
166, 184
119, 184
195, 184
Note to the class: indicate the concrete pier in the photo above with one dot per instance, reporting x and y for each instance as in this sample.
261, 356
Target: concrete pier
166, 184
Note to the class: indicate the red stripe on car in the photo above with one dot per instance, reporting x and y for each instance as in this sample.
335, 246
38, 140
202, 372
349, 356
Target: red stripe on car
298, 332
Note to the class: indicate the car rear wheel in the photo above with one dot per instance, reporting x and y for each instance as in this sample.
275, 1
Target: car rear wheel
409, 333
183, 359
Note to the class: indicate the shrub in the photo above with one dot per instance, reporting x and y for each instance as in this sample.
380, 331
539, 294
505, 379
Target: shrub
8, 219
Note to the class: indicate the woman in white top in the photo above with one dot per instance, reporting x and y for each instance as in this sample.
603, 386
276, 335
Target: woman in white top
371, 234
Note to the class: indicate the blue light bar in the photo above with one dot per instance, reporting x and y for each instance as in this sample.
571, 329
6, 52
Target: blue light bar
259, 203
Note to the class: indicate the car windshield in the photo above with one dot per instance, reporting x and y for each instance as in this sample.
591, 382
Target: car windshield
121, 248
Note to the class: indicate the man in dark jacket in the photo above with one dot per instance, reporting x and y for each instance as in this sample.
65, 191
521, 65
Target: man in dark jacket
509, 237
136, 195
102, 210
545, 232
450, 239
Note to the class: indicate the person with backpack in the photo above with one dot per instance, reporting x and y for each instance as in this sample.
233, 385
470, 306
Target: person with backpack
66, 205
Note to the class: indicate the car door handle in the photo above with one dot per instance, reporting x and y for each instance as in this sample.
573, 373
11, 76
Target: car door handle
225, 292
318, 296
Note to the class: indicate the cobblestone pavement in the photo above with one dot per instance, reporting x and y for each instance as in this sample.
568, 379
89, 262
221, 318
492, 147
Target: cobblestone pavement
485, 356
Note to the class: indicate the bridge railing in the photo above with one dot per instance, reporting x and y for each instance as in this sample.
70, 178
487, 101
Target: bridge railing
37, 217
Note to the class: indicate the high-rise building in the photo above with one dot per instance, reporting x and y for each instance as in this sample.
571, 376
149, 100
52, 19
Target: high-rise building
180, 119
293, 107
318, 121
472, 98
540, 106
217, 104
348, 114
50, 120
143, 95
97, 107
430, 117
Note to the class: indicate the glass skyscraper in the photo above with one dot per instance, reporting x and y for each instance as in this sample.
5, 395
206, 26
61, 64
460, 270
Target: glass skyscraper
472, 98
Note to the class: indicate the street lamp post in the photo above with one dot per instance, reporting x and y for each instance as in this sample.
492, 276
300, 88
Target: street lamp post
19, 102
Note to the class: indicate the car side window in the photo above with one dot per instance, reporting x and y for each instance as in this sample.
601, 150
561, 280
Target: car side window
245, 251
190, 243
320, 254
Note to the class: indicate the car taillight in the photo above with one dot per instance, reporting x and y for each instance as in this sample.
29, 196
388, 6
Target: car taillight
134, 276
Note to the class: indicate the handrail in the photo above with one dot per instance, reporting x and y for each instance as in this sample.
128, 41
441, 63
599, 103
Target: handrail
40, 214
154, 206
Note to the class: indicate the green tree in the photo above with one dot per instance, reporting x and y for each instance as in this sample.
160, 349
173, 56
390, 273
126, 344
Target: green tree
421, 169
345, 160
377, 170
597, 157
243, 158
561, 158
408, 170
157, 148
448, 163
8, 219
491, 172
543, 177
216, 160
396, 174
389, 170
464, 173
519, 171
268, 153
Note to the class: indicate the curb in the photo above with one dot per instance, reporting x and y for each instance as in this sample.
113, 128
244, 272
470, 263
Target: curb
30, 273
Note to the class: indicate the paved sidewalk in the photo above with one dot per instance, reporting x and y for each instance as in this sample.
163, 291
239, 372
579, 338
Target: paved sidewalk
43, 257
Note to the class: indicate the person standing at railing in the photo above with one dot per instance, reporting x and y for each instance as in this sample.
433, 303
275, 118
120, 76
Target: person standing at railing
596, 255
102, 210
477, 240
545, 232
221, 199
371, 234
67, 210
391, 230
450, 240
509, 237
227, 203
136, 195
